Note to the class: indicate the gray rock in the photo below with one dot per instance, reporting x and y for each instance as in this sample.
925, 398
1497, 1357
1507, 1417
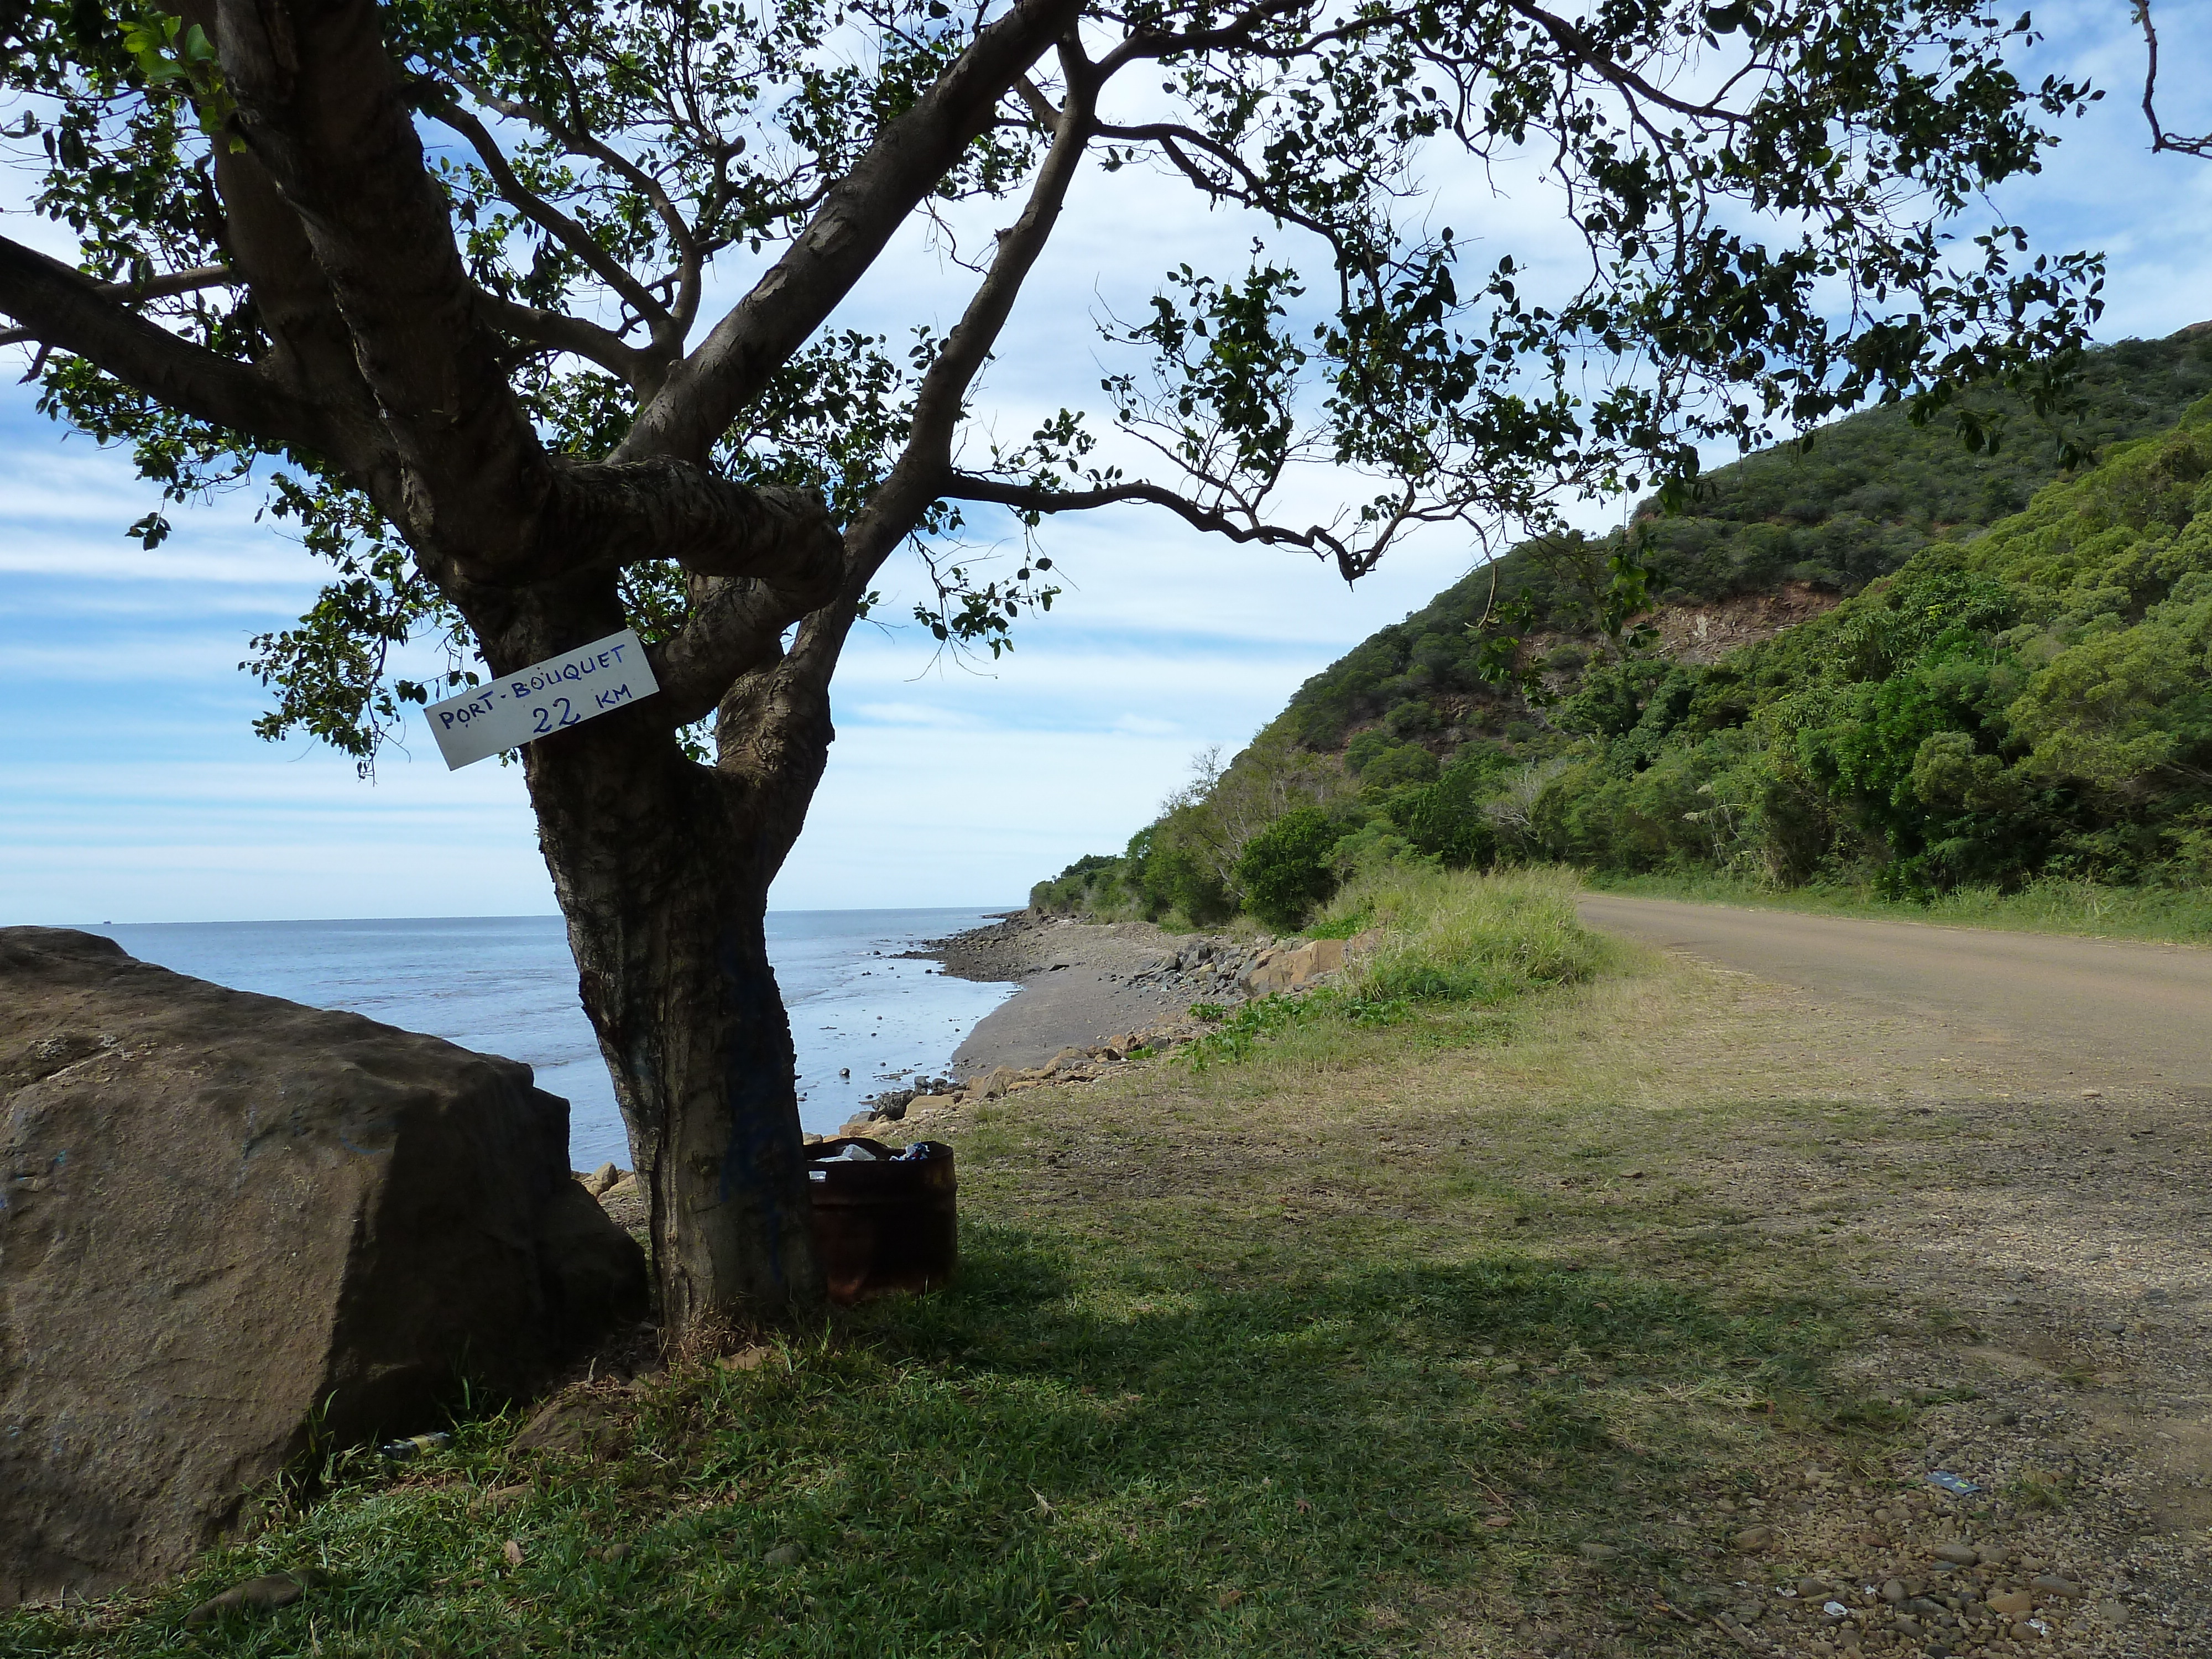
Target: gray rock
1597, 1551
2051, 1583
220, 1213
1959, 1555
785, 1555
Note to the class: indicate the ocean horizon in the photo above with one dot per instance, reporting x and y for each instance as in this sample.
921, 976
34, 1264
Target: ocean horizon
863, 1014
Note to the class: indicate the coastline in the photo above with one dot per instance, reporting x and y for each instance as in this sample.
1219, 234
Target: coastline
1091, 996
1081, 982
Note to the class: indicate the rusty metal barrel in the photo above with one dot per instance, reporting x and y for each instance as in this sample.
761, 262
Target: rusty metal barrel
889, 1223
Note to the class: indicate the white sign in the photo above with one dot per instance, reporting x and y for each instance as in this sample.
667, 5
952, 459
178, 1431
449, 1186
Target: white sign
542, 699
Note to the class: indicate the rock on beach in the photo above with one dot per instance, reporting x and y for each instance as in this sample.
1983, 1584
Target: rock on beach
227, 1220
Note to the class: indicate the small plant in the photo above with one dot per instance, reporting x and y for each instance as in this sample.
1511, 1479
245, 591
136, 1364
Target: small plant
1349, 925
2038, 1489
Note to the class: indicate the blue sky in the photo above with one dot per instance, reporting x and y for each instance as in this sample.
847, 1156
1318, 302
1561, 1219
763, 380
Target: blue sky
131, 787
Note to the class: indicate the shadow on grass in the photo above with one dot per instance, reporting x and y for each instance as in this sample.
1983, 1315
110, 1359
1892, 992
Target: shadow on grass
1070, 1452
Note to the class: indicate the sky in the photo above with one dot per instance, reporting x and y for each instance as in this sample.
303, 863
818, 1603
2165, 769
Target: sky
133, 789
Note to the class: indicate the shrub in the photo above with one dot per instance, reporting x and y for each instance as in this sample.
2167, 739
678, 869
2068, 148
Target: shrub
1455, 936
1285, 869
1176, 879
1407, 763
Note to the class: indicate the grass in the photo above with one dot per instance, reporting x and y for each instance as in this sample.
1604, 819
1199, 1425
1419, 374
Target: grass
1455, 936
2053, 905
1342, 1348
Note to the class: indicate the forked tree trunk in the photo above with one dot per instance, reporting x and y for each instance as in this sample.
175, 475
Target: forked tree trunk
662, 868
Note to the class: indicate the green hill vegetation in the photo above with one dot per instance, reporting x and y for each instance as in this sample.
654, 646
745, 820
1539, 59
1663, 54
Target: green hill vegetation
2012, 684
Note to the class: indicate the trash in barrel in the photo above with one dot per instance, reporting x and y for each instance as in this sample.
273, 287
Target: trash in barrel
884, 1220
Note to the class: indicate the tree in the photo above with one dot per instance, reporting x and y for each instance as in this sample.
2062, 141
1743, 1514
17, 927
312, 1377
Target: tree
1284, 868
433, 274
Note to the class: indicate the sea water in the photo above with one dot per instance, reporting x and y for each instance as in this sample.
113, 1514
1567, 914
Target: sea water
506, 985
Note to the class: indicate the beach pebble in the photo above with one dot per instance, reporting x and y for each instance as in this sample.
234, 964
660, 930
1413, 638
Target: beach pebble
1596, 1551
785, 1555
2051, 1584
2012, 1604
1752, 1539
1959, 1555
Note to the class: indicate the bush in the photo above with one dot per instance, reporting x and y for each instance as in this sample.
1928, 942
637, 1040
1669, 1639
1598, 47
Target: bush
1177, 880
1285, 869
1455, 936
1090, 884
1409, 762
1365, 748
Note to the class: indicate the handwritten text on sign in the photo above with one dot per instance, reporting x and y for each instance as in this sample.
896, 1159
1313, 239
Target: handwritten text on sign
542, 699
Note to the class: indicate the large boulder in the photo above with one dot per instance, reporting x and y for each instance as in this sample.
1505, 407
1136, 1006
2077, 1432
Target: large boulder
231, 1226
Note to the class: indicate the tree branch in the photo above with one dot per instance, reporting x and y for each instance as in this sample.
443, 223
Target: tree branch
768, 557
65, 309
631, 511
1027, 498
944, 389
863, 210
2160, 137
567, 231
176, 282
738, 628
1169, 135
557, 331
322, 107
310, 350
1587, 52
1148, 44
691, 255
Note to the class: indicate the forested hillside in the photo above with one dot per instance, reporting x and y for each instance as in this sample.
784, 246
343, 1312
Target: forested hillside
1982, 694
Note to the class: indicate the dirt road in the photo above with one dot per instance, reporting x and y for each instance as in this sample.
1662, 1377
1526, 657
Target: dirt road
2099, 1009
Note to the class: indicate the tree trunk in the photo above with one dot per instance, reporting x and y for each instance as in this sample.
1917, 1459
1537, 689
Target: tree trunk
662, 868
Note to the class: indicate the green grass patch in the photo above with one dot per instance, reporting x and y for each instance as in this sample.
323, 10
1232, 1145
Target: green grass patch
1453, 945
1463, 936
1084, 1448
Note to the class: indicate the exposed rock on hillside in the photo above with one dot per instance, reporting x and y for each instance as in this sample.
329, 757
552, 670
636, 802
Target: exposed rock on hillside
1707, 630
225, 1217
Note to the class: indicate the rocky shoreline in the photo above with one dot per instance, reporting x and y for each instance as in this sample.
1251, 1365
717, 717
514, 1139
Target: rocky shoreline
1094, 995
